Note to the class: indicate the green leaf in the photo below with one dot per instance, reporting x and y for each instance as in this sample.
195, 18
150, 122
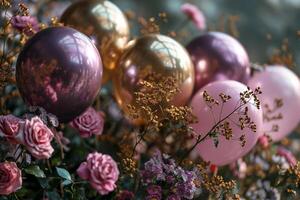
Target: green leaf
43, 183
53, 195
36, 171
66, 182
63, 173
79, 194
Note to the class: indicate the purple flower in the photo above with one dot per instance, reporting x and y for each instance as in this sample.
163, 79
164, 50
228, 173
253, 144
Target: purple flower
154, 168
173, 197
26, 24
153, 197
125, 195
154, 189
195, 15
186, 188
170, 179
161, 169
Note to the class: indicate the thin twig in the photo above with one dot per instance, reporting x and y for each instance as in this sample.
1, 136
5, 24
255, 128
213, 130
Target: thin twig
199, 139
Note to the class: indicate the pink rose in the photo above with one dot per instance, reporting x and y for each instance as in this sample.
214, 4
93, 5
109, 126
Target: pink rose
37, 138
10, 178
101, 171
89, 123
9, 128
195, 15
290, 158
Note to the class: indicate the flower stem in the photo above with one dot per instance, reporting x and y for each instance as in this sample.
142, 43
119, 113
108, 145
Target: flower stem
199, 139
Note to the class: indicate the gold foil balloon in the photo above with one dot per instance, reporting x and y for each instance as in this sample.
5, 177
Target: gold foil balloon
105, 24
156, 54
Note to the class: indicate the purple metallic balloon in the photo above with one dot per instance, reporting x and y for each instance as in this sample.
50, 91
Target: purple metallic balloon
218, 56
60, 70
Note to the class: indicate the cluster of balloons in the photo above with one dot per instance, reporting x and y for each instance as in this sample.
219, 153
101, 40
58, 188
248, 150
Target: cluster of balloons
60, 69
218, 57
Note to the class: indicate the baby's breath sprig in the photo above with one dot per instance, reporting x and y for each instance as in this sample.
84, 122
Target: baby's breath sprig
215, 184
152, 25
164, 121
5, 4
22, 10
128, 163
55, 22
148, 26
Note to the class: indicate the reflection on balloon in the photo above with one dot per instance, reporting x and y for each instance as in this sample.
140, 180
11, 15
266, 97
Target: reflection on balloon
226, 114
104, 23
60, 70
153, 54
280, 100
218, 56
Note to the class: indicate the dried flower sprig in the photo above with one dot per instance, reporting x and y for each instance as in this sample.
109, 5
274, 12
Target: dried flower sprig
222, 126
148, 26
283, 55
14, 32
215, 184
154, 105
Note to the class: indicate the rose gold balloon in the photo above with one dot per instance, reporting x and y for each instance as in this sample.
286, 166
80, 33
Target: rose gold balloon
105, 24
156, 54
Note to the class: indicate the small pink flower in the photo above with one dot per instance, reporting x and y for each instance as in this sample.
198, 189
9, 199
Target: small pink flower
9, 128
89, 123
195, 14
264, 141
10, 178
26, 24
101, 171
290, 158
37, 138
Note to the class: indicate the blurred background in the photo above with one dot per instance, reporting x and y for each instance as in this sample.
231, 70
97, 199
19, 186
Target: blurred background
269, 29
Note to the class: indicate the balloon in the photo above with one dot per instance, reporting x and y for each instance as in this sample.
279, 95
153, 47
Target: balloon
153, 54
280, 100
218, 56
209, 114
105, 24
60, 70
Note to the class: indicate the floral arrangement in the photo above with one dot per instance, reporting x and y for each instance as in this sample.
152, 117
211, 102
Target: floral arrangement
107, 153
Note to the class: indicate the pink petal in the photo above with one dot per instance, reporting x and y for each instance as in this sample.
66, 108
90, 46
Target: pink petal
83, 171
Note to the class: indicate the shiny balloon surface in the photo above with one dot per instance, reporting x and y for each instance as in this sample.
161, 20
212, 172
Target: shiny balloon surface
218, 56
227, 150
280, 100
153, 54
104, 23
60, 70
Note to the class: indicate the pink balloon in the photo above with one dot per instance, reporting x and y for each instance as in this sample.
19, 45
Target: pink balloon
278, 85
230, 150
